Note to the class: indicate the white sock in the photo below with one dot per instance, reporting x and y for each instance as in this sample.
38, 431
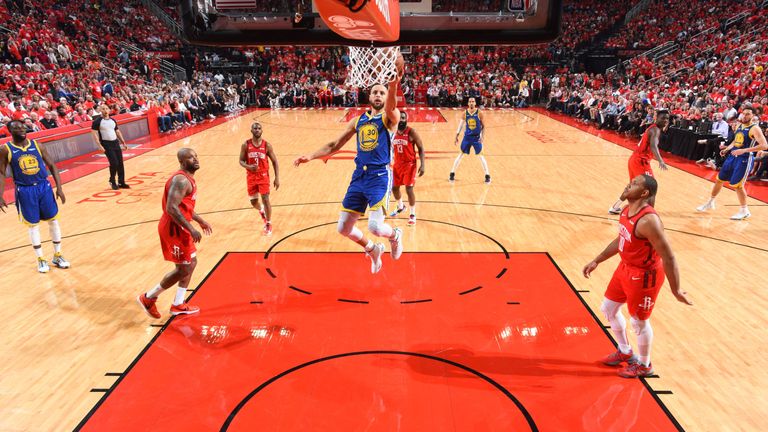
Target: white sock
400, 204
181, 293
369, 246
744, 209
356, 234
457, 162
485, 164
34, 238
154, 292
55, 230
413, 210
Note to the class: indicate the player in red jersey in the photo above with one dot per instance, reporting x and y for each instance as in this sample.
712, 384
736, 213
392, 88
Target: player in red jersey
405, 143
645, 259
640, 161
253, 157
178, 236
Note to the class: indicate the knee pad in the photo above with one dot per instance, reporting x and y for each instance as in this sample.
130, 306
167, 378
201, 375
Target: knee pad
376, 222
346, 223
638, 325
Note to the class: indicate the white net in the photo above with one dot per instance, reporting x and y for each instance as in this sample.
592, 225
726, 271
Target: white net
369, 66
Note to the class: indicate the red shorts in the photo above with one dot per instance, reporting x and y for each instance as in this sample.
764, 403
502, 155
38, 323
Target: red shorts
404, 175
638, 166
636, 287
257, 186
176, 243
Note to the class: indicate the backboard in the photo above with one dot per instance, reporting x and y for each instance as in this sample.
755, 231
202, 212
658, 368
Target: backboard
422, 22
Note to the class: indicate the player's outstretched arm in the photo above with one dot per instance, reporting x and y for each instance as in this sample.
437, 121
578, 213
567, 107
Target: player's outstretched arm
3, 168
609, 251
390, 105
651, 228
331, 147
180, 187
54, 172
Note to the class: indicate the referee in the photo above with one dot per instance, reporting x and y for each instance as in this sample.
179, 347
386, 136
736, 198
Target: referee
105, 132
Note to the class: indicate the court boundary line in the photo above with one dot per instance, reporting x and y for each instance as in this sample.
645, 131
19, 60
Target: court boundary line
608, 334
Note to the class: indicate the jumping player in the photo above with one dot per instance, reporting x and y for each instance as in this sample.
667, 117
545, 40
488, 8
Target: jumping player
473, 138
645, 258
372, 178
35, 200
406, 141
640, 161
253, 157
178, 236
747, 140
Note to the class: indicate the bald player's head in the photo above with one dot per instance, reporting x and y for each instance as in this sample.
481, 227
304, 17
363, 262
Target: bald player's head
188, 159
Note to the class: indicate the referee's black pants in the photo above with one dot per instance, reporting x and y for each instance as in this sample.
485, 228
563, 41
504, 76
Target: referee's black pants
115, 156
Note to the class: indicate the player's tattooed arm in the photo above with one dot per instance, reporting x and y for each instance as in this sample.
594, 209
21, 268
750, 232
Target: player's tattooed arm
180, 187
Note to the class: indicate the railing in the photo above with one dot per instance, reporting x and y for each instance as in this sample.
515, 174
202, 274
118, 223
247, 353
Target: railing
171, 70
172, 25
637, 9
651, 53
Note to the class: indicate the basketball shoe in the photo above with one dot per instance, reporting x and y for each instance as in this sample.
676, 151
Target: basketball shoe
487, 179
451, 178
618, 357
148, 305
397, 212
263, 215
184, 309
614, 210
636, 370
268, 229
42, 265
59, 261
741, 215
396, 243
375, 256
412, 220
709, 205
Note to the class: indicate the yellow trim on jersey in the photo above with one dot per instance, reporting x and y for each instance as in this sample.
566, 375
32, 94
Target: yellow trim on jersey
10, 155
352, 211
56, 216
384, 203
25, 222
29, 143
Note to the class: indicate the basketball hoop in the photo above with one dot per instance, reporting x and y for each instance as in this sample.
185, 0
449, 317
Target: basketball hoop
369, 66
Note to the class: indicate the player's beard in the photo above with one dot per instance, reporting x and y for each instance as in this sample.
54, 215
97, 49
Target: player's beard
401, 126
377, 106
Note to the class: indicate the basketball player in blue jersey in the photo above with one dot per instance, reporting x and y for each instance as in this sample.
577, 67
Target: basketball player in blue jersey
747, 140
473, 138
372, 179
34, 196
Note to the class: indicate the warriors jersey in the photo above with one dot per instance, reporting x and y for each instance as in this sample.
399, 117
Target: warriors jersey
474, 125
374, 147
27, 166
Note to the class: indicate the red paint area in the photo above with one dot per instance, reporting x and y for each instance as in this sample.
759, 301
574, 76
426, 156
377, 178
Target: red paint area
757, 190
415, 115
299, 359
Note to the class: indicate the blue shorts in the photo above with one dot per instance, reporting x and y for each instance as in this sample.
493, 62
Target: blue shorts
369, 186
471, 142
35, 203
735, 170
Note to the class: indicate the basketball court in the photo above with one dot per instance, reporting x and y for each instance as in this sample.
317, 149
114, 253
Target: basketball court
485, 324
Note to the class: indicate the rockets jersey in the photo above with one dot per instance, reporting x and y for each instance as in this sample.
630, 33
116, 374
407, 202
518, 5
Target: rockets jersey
257, 155
404, 147
635, 251
187, 205
643, 149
